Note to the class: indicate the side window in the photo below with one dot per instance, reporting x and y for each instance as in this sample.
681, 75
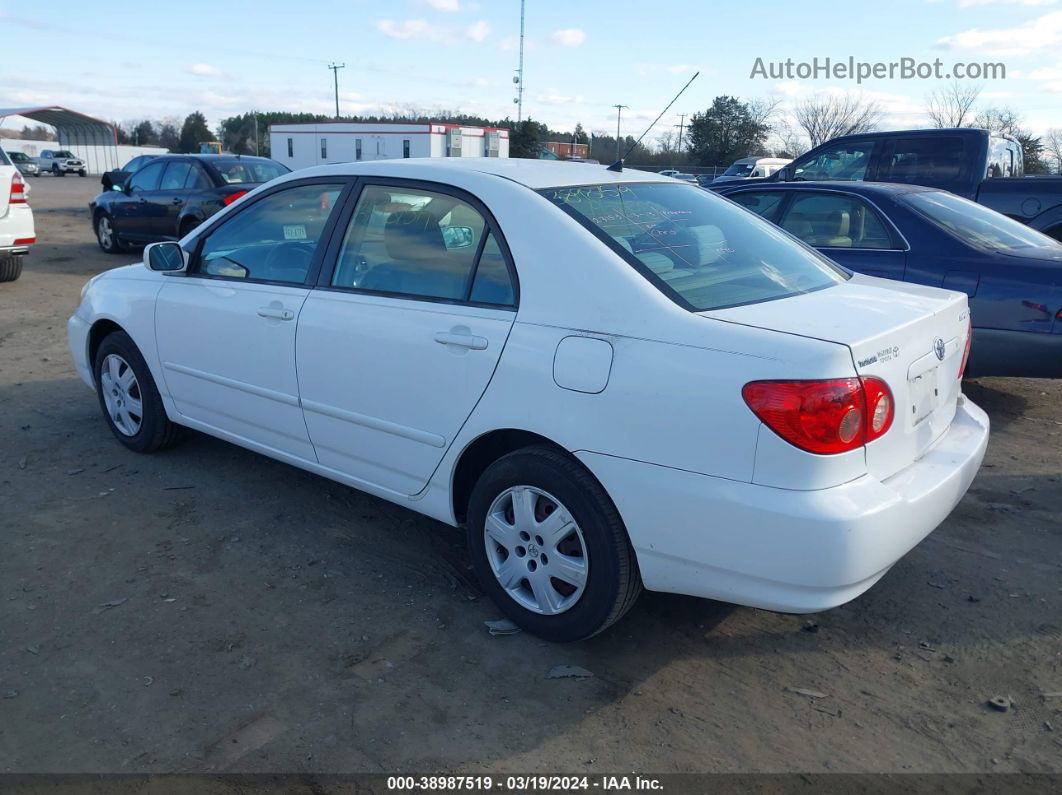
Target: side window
829, 220
274, 239
493, 283
846, 161
176, 175
931, 160
197, 179
411, 242
765, 204
146, 178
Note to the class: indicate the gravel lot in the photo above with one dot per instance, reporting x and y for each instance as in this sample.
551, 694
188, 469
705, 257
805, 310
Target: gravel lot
207, 609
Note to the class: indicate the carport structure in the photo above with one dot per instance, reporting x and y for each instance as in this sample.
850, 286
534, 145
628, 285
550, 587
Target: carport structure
93, 140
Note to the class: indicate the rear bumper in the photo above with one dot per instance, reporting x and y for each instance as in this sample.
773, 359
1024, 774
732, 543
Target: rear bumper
786, 550
16, 230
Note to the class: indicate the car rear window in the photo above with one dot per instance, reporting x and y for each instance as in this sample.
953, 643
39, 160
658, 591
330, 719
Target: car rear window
699, 249
975, 224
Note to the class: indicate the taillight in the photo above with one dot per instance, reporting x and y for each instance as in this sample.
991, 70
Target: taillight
18, 189
227, 200
966, 351
826, 417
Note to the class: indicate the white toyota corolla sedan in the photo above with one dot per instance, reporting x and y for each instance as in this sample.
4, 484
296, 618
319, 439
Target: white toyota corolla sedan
611, 379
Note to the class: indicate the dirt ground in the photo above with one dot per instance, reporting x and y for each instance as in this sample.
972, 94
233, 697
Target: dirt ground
207, 609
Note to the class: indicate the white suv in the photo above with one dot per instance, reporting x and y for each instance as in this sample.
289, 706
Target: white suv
16, 220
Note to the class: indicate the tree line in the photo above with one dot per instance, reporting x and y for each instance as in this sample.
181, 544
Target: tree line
728, 129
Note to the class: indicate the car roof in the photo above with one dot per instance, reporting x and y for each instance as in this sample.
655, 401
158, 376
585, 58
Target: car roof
870, 188
534, 174
208, 158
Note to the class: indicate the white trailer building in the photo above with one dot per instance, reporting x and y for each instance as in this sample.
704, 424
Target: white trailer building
302, 145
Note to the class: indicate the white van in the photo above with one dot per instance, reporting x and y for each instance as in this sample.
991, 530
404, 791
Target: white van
750, 167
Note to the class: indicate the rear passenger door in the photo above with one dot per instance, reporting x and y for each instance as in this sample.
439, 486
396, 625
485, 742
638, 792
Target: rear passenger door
846, 228
403, 332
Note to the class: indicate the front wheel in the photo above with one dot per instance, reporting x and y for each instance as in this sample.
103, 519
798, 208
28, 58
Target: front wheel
129, 398
550, 547
106, 236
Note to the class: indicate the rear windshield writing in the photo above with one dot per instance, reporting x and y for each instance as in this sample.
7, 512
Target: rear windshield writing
696, 247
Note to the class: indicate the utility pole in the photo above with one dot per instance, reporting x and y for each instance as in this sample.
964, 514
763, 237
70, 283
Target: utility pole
254, 114
682, 126
519, 79
619, 114
335, 67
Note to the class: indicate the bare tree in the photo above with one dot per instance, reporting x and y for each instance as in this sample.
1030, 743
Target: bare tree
953, 106
764, 111
1004, 120
825, 117
790, 142
1053, 147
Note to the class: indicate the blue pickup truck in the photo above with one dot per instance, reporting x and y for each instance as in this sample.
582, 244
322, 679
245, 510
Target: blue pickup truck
972, 163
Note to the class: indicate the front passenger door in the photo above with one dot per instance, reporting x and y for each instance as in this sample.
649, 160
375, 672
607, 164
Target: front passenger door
131, 210
226, 329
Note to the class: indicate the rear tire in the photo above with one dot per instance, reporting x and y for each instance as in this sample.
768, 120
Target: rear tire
10, 268
128, 397
563, 588
106, 236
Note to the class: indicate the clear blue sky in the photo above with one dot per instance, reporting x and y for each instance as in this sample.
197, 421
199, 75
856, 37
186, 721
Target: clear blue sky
166, 59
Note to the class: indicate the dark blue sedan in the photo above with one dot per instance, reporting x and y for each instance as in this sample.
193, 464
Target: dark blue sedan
1012, 274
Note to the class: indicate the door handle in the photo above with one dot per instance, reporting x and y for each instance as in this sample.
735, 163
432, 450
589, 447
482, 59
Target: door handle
465, 340
276, 313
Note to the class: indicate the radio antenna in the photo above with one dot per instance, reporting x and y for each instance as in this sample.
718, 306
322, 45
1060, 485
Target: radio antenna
618, 165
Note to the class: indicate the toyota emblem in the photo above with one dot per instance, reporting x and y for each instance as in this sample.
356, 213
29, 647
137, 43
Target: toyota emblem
939, 349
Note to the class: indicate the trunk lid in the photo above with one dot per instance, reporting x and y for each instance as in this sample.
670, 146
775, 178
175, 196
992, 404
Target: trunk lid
910, 336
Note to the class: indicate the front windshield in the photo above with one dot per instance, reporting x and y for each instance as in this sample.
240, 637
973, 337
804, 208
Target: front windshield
975, 224
18, 157
238, 171
696, 247
63, 153
739, 170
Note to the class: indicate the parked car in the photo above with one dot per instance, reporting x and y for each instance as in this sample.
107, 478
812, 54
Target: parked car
974, 164
59, 163
24, 163
751, 168
117, 177
172, 194
684, 177
669, 172
704, 406
16, 220
1012, 274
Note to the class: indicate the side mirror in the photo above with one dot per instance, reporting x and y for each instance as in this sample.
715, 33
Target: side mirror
166, 257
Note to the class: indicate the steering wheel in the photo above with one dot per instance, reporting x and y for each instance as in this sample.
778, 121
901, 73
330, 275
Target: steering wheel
288, 256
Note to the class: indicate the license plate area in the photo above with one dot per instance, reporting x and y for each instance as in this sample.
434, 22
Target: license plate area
924, 395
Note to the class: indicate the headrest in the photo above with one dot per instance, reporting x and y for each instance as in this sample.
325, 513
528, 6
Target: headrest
840, 223
413, 235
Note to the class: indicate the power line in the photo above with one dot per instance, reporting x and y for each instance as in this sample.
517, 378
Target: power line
335, 67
